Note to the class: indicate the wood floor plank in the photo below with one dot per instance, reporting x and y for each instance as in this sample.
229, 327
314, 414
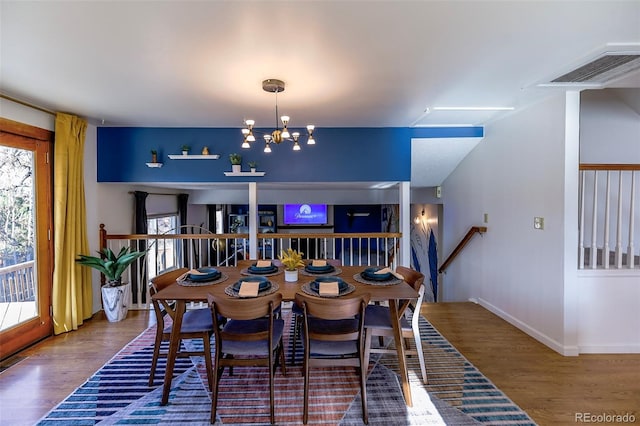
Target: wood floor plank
550, 387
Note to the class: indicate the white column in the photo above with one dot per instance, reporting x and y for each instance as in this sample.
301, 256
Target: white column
253, 220
404, 257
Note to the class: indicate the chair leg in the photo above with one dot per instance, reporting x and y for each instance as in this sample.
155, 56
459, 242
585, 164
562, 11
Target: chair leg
216, 384
282, 359
418, 340
271, 392
367, 349
154, 359
305, 415
207, 359
363, 389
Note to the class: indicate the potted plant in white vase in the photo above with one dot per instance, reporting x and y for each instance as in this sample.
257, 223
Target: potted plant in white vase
236, 162
116, 296
252, 166
185, 149
291, 260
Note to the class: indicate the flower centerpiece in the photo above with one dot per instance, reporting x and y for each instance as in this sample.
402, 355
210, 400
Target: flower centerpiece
291, 260
115, 294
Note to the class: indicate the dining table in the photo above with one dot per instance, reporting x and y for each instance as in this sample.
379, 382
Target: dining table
397, 296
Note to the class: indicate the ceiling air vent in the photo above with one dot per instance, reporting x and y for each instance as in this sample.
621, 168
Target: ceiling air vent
601, 70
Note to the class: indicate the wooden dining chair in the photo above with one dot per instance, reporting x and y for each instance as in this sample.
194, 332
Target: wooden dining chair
334, 336
297, 318
378, 322
196, 324
252, 336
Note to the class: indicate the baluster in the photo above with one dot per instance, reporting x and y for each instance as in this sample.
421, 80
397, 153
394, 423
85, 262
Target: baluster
581, 231
605, 249
594, 227
630, 249
619, 224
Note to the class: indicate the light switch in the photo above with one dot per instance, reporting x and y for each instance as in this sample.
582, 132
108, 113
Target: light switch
486, 218
538, 223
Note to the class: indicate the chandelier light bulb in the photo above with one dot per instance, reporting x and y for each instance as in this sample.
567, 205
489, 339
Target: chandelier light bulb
250, 123
245, 144
250, 137
311, 140
296, 147
285, 120
285, 133
310, 128
295, 136
245, 132
267, 148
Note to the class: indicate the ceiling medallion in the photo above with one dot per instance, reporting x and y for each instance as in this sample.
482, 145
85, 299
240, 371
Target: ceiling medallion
278, 135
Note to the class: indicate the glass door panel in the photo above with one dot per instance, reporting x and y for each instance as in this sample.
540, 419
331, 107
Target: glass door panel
25, 230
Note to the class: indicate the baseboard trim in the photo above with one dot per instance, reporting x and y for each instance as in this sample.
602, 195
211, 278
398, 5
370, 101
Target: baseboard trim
541, 337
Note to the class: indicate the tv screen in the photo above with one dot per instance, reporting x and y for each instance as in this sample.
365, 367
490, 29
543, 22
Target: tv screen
305, 214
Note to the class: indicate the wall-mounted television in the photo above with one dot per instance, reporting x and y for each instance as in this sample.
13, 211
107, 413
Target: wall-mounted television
305, 214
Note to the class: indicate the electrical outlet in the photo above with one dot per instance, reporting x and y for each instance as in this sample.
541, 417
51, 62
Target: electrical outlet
538, 223
486, 218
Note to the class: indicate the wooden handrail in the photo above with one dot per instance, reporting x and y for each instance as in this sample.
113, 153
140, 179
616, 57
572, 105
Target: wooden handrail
588, 166
460, 246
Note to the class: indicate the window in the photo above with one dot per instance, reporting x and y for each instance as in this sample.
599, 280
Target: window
163, 253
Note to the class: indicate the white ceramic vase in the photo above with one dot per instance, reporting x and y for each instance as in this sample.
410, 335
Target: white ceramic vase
236, 168
291, 276
115, 302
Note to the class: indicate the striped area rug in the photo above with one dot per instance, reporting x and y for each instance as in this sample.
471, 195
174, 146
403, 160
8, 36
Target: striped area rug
457, 394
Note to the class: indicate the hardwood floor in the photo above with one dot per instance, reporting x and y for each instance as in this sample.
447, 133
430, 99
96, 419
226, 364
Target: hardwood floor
549, 387
56, 366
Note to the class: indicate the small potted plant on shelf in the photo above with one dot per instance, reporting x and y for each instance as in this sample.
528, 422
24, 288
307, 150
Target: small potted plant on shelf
236, 162
115, 294
185, 149
154, 156
252, 166
291, 260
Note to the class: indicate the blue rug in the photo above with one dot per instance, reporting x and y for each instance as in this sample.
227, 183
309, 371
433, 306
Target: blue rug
457, 394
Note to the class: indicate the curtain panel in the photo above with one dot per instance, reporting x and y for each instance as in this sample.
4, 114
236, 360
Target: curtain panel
72, 291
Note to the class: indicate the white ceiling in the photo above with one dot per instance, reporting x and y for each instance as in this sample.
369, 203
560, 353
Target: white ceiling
345, 63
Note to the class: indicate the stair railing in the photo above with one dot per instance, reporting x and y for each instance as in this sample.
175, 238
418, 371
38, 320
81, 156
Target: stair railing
608, 218
469, 235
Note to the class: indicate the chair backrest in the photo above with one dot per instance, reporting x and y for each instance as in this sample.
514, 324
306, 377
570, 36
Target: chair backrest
165, 279
157, 283
339, 308
411, 276
256, 308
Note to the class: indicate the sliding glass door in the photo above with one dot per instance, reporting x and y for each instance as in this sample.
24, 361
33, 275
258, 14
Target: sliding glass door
25, 236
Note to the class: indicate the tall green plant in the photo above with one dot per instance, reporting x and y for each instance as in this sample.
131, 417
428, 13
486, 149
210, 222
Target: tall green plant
109, 264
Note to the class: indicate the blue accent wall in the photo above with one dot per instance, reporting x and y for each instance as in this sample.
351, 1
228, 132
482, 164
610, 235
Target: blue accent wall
340, 154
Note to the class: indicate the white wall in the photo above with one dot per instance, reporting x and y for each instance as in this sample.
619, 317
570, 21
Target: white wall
514, 174
609, 128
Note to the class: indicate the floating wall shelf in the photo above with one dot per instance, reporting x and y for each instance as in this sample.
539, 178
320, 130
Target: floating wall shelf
244, 173
194, 157
154, 165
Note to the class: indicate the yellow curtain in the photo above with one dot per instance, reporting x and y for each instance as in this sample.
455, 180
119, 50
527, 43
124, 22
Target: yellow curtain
72, 292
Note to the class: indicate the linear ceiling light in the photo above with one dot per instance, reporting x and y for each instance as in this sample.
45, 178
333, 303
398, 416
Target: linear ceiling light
472, 108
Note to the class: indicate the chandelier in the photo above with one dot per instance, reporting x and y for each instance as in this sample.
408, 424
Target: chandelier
279, 135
